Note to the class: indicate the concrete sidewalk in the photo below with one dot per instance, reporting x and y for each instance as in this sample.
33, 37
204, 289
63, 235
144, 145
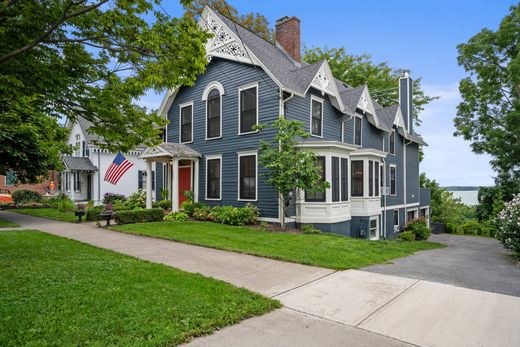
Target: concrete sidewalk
323, 307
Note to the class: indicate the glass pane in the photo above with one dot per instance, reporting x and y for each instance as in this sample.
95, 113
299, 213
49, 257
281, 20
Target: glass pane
213, 179
344, 179
213, 116
318, 196
186, 119
357, 177
335, 179
248, 177
248, 109
357, 131
370, 178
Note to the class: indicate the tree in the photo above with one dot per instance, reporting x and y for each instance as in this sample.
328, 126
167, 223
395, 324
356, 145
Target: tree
290, 168
88, 58
489, 114
382, 80
255, 22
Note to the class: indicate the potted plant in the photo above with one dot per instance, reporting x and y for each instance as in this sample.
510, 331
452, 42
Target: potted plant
80, 211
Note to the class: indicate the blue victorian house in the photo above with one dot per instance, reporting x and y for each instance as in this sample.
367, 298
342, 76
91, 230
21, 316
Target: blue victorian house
369, 154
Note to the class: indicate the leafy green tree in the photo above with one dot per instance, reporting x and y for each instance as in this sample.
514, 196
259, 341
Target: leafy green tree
382, 80
255, 22
290, 168
89, 58
489, 114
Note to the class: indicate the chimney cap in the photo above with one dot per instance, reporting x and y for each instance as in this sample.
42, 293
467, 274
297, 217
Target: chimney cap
285, 19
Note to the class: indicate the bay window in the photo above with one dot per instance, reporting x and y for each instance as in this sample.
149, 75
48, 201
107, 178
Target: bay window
344, 179
318, 196
335, 179
357, 176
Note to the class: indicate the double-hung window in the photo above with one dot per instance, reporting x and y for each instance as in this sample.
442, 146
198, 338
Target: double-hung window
392, 142
393, 187
247, 179
213, 108
370, 178
376, 179
248, 109
335, 179
316, 117
77, 182
186, 131
396, 218
213, 178
344, 179
357, 175
318, 196
357, 130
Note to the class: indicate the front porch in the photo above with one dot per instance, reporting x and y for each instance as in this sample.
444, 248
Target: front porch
77, 178
181, 164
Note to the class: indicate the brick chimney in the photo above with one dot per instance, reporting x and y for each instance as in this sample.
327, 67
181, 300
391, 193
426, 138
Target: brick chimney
288, 35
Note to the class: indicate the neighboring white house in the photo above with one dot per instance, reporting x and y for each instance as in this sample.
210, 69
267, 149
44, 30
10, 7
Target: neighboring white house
83, 177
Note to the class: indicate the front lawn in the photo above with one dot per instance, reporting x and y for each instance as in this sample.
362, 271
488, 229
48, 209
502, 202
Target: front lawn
326, 250
6, 224
60, 292
49, 213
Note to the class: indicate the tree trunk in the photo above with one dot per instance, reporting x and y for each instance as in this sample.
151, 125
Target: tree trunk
282, 207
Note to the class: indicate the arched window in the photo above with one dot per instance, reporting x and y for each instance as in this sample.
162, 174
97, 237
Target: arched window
213, 114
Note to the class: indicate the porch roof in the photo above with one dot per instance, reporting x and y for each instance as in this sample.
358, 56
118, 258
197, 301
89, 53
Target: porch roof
79, 164
169, 150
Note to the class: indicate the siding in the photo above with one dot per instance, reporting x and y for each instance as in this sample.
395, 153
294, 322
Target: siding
396, 159
231, 75
412, 173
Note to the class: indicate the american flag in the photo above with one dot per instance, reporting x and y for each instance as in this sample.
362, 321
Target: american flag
117, 169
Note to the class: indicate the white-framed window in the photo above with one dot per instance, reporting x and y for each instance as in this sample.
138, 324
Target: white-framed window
374, 228
392, 143
411, 214
78, 145
344, 179
393, 180
318, 196
214, 177
357, 177
370, 178
335, 184
247, 108
212, 95
247, 176
358, 124
395, 215
316, 116
186, 122
77, 182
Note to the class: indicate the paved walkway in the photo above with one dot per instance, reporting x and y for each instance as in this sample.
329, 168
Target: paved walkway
468, 261
323, 307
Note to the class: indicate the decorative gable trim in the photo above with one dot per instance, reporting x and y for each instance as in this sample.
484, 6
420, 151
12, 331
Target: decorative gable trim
399, 120
366, 103
324, 81
153, 152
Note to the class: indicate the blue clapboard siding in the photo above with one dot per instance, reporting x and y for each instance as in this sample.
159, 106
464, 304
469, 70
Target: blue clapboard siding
412, 173
231, 75
396, 159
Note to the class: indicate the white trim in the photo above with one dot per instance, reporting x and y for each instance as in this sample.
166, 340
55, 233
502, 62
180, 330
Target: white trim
207, 90
396, 227
402, 206
390, 179
212, 85
325, 82
354, 134
247, 154
320, 100
212, 157
416, 213
376, 218
240, 89
181, 106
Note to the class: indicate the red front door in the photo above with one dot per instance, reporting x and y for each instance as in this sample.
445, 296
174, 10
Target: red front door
184, 182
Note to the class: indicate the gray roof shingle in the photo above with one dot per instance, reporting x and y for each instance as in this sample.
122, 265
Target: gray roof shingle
78, 164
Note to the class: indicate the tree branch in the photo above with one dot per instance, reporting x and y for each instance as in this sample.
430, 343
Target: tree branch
53, 28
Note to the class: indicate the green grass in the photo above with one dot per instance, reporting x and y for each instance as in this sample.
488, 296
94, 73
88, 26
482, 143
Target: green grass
49, 213
6, 224
325, 250
59, 292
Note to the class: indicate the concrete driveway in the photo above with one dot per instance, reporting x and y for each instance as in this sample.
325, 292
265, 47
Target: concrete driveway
468, 261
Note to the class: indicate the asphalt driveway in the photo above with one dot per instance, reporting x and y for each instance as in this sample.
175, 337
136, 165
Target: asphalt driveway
468, 261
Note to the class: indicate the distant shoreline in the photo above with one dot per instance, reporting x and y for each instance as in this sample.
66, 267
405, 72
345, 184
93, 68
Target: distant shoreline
461, 188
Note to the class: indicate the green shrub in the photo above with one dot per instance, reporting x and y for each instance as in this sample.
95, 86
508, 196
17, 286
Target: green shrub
93, 214
139, 216
451, 228
310, 229
264, 226
508, 226
470, 228
234, 215
202, 213
136, 200
189, 207
419, 228
407, 236
25, 196
165, 204
111, 198
176, 216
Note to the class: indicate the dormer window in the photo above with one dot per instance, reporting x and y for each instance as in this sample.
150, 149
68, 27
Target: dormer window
357, 130
316, 117
213, 108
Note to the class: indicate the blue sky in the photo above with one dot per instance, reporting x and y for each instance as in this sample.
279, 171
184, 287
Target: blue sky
418, 35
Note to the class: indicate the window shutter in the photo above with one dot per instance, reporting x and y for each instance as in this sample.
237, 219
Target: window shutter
139, 179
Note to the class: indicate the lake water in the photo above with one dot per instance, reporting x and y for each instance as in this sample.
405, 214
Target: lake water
468, 197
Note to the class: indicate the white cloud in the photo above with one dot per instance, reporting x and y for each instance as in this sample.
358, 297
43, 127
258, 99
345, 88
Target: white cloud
449, 159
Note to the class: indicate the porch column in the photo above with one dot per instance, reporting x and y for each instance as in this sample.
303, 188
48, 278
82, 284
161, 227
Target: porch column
148, 184
175, 184
196, 180
71, 182
169, 178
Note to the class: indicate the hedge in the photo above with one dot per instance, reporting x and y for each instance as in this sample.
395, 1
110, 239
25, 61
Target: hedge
24, 196
139, 216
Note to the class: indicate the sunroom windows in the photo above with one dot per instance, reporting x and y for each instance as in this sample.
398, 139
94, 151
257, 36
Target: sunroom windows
357, 177
365, 178
318, 196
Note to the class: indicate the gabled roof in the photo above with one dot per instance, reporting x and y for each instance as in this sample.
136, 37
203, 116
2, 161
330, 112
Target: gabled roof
79, 164
170, 150
387, 116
